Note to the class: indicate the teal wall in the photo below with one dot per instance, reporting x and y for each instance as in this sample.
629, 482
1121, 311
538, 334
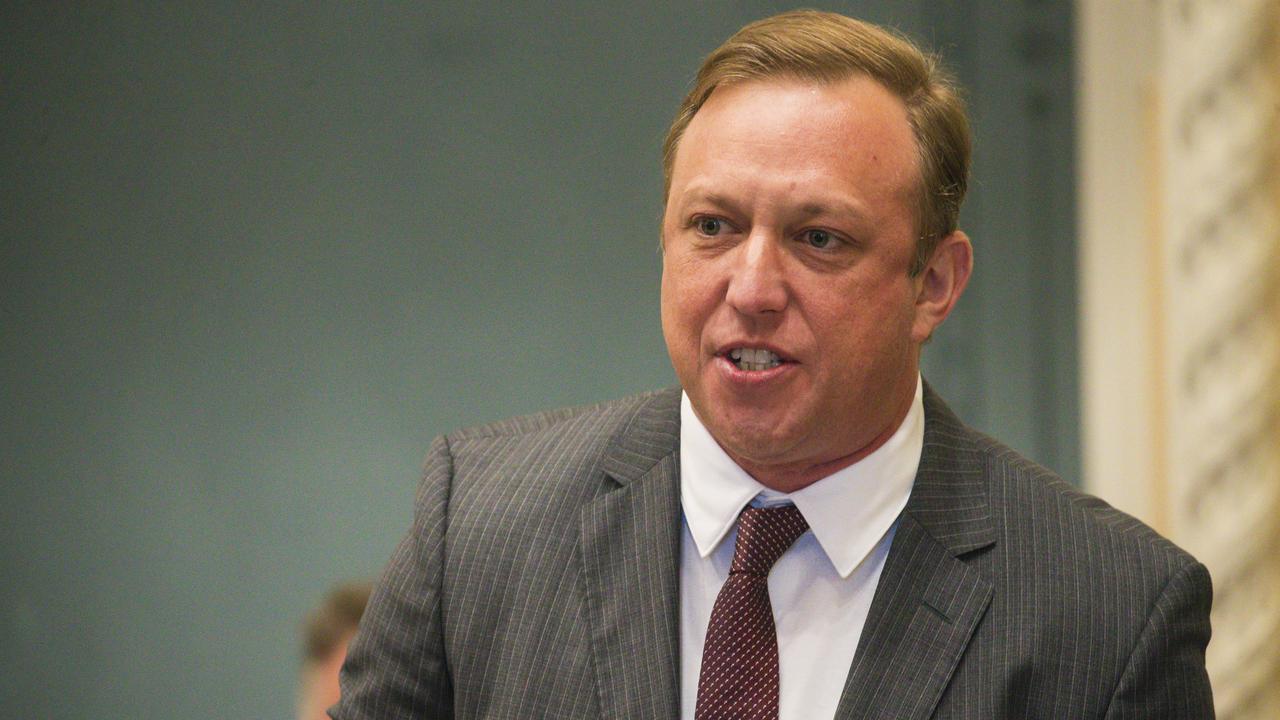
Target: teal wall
255, 258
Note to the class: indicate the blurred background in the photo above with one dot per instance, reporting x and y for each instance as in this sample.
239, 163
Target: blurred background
254, 258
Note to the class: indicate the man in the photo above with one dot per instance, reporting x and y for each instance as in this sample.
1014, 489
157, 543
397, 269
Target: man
806, 531
325, 637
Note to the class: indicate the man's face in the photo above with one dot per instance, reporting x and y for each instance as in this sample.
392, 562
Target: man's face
787, 306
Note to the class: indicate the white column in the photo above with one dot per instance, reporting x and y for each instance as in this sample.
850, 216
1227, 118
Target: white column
1195, 387
1118, 312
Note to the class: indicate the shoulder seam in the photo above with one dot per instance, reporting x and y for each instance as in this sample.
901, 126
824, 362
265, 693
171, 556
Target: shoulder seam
547, 419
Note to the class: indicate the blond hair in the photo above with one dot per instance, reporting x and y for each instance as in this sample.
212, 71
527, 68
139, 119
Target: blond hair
825, 47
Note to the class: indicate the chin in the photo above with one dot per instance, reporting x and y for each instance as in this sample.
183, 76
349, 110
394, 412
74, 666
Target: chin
756, 440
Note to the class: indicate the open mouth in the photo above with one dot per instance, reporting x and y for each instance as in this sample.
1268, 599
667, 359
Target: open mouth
753, 359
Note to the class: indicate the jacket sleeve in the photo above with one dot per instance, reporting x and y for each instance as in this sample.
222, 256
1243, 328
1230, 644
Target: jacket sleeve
396, 666
1165, 676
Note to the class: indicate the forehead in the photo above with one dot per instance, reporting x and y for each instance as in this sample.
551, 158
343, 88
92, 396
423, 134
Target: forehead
853, 134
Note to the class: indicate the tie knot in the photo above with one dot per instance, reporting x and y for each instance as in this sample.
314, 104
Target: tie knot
763, 535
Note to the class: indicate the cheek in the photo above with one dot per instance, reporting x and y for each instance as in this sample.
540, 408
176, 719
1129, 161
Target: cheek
683, 296
667, 301
858, 331
676, 324
688, 303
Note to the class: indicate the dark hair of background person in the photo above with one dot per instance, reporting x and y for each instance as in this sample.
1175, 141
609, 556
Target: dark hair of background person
334, 620
324, 647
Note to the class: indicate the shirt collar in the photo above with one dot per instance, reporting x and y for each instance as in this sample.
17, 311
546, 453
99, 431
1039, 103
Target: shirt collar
848, 511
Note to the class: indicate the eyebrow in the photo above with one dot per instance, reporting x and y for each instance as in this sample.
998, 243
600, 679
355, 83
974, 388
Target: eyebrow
850, 210
710, 197
808, 209
705, 195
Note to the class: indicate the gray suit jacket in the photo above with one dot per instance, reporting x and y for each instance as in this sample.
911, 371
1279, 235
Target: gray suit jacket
539, 580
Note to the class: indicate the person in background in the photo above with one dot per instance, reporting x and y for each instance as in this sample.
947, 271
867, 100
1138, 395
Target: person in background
325, 636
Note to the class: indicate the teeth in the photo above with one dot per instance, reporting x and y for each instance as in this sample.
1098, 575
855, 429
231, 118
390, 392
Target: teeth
754, 358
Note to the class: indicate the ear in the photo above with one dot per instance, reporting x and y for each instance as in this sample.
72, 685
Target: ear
940, 284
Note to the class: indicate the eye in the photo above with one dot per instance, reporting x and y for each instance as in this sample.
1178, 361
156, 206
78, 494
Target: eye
820, 239
709, 226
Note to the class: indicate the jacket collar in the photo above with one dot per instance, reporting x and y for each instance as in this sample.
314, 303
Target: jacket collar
652, 433
949, 499
629, 540
926, 607
930, 599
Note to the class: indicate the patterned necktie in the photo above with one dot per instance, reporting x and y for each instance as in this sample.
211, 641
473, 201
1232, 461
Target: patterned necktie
739, 676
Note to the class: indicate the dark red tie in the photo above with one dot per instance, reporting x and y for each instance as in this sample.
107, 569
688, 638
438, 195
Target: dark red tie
739, 677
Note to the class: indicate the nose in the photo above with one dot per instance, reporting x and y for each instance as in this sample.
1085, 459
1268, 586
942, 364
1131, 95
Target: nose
758, 285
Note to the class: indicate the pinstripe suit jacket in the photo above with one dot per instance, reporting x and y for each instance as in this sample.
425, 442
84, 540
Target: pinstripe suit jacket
539, 580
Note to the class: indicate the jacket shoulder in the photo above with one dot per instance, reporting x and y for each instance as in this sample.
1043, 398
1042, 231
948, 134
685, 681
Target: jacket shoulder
561, 456
603, 417
1033, 499
1090, 608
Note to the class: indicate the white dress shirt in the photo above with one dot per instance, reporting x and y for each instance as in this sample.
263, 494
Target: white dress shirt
821, 588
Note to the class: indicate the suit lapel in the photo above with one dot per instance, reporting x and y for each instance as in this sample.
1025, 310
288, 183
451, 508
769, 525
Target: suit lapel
929, 600
630, 541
